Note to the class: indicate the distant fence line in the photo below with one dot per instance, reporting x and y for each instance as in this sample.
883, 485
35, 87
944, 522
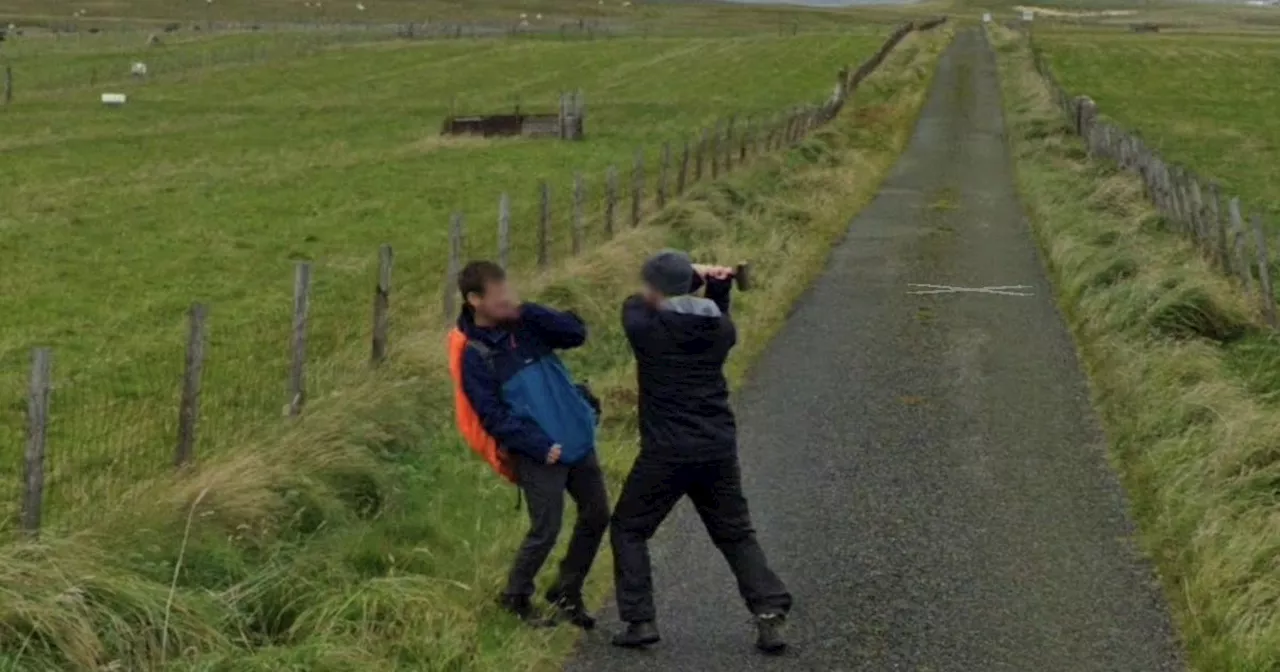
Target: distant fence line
715, 151
1211, 220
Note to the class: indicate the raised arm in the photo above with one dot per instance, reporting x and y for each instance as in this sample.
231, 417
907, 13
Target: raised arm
559, 330
514, 433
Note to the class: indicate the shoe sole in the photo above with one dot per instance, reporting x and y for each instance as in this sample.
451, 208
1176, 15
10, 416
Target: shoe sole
637, 644
772, 650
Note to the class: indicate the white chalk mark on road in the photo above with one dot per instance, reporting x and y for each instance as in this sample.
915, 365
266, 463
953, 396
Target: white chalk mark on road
1003, 290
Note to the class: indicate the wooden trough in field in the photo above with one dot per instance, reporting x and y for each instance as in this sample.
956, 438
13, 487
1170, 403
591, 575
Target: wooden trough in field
567, 124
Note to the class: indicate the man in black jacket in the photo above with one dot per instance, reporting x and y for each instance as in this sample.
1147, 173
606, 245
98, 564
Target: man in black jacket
688, 445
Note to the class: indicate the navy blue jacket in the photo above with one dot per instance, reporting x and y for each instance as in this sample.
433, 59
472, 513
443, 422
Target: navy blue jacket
524, 395
680, 348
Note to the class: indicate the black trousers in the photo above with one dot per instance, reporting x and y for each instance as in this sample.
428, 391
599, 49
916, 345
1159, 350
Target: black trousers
652, 489
544, 486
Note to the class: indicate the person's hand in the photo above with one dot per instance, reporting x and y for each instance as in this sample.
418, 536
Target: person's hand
720, 272
553, 455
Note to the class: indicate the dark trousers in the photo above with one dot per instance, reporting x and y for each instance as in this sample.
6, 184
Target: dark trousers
543, 486
652, 489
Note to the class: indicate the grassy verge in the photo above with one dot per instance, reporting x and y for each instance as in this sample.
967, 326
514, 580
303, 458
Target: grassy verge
366, 536
1173, 352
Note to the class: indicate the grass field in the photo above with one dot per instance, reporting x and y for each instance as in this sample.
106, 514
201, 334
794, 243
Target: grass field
1205, 101
211, 183
367, 537
1190, 413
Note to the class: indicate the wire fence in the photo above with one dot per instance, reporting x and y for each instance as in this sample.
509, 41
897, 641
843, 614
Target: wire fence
1231, 235
72, 450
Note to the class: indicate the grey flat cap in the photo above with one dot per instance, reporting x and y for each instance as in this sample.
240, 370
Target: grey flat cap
669, 272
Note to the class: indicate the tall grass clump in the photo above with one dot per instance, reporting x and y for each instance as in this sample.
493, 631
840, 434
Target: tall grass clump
1173, 350
365, 535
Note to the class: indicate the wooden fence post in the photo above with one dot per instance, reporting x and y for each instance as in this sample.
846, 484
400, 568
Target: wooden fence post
610, 199
637, 188
1221, 252
453, 267
579, 225
1239, 258
193, 366
1264, 273
684, 168
1197, 215
699, 155
746, 135
662, 175
8, 84
728, 144
504, 229
544, 225
382, 306
715, 149
297, 371
37, 424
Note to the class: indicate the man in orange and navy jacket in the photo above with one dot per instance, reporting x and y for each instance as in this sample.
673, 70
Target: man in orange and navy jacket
545, 424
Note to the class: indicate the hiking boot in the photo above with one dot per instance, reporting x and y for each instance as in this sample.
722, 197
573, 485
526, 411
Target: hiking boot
637, 635
769, 633
571, 608
522, 608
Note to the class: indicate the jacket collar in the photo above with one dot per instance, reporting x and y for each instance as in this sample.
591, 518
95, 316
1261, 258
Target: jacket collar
488, 335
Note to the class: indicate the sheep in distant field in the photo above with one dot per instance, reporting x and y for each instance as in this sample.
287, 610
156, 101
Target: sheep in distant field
139, 69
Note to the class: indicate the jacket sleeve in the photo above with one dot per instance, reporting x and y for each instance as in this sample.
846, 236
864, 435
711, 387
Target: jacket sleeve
558, 330
514, 433
718, 290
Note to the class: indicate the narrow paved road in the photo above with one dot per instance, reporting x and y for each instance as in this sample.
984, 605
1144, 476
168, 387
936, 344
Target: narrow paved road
924, 469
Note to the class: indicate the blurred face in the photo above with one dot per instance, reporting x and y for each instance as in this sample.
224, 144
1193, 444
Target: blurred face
498, 303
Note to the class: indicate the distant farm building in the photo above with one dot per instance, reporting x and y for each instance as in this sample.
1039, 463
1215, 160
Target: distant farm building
567, 124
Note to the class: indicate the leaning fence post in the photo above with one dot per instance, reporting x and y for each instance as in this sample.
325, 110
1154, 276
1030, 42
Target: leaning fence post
544, 225
1264, 273
662, 175
189, 406
37, 424
8, 84
1238, 244
579, 226
504, 229
297, 370
637, 188
382, 306
610, 199
746, 135
453, 267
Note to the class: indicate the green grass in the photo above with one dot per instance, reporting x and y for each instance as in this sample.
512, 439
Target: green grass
1181, 371
1205, 101
367, 537
209, 187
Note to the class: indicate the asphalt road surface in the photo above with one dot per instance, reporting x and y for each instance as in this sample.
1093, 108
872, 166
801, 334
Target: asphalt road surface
922, 461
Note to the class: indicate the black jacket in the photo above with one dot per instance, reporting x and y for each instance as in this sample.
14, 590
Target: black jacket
680, 349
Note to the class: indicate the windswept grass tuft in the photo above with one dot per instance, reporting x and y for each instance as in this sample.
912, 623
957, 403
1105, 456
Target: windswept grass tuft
365, 536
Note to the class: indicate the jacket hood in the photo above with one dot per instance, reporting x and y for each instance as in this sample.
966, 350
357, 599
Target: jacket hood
693, 323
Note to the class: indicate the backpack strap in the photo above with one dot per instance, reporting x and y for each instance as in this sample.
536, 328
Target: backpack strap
486, 353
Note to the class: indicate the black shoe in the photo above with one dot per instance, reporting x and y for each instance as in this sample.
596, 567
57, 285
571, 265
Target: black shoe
638, 634
522, 608
769, 633
571, 608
